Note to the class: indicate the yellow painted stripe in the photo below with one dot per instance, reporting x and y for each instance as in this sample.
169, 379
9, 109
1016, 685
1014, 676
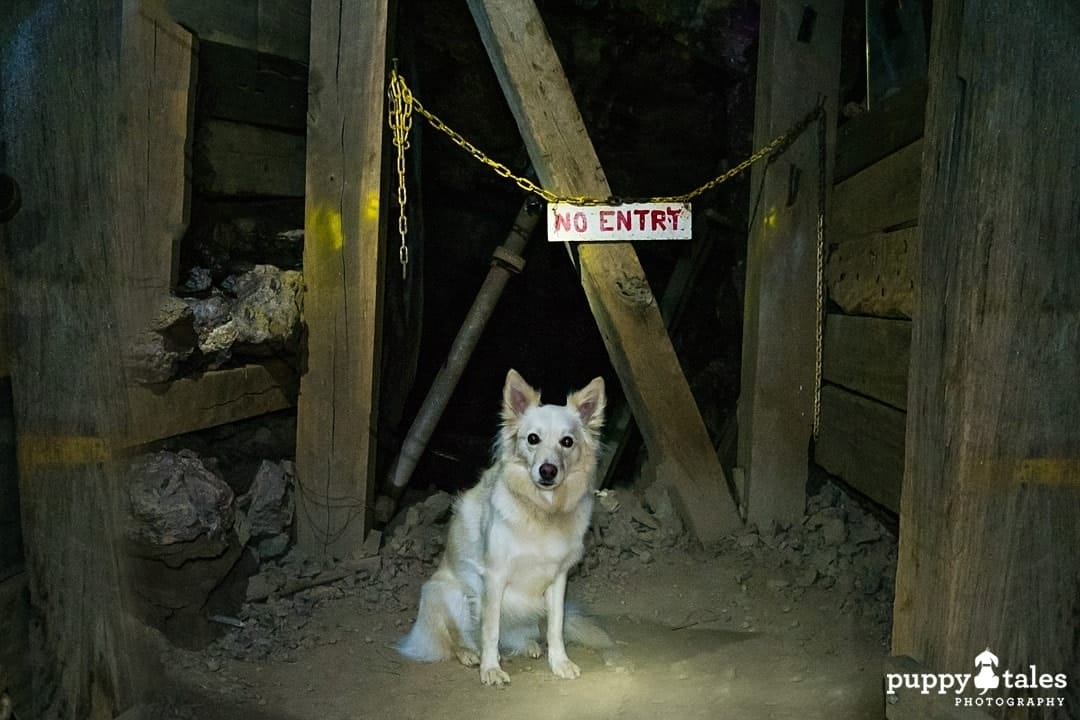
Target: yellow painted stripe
36, 451
1049, 471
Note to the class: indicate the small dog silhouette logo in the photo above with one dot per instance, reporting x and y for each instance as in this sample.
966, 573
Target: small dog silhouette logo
986, 679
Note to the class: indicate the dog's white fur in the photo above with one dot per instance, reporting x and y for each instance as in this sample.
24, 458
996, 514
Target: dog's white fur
513, 539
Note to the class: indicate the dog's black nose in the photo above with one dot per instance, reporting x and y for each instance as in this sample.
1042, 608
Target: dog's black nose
548, 473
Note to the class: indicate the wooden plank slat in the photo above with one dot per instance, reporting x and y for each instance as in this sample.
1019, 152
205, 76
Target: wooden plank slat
213, 398
161, 88
250, 87
280, 27
865, 139
874, 274
284, 28
239, 159
868, 355
990, 515
775, 411
338, 391
884, 196
540, 98
862, 442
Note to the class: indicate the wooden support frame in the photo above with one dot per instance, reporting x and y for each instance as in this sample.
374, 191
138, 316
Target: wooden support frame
161, 61
338, 390
798, 67
541, 101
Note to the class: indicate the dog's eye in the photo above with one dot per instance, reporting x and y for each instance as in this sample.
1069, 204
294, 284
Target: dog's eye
567, 442
533, 438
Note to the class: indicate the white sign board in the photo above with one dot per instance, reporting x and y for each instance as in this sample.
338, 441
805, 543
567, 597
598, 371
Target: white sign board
618, 223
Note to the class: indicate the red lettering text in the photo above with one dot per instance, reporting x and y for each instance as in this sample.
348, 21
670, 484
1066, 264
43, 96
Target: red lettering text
605, 220
673, 215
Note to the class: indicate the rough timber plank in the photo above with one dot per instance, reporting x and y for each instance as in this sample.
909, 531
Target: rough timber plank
884, 196
213, 398
622, 303
874, 274
162, 80
240, 159
989, 516
867, 138
338, 391
862, 442
868, 355
78, 151
776, 402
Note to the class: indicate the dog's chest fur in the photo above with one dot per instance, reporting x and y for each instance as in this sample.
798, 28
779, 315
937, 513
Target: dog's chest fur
521, 533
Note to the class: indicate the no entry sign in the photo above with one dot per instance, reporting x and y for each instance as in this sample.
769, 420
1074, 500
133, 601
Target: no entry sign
618, 223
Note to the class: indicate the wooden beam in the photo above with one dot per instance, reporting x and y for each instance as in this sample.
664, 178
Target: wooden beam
874, 274
161, 81
798, 66
78, 148
213, 398
539, 95
990, 515
338, 390
278, 27
862, 442
868, 355
250, 87
884, 196
240, 159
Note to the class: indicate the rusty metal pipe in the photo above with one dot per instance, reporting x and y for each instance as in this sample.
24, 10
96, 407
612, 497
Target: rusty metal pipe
505, 262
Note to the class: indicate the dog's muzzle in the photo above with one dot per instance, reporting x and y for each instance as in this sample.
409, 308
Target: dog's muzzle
548, 473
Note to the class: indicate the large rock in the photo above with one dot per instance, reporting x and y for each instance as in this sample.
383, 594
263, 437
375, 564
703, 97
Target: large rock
183, 546
180, 508
268, 308
269, 502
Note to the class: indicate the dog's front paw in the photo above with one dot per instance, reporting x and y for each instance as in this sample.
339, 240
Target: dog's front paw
494, 676
565, 668
467, 657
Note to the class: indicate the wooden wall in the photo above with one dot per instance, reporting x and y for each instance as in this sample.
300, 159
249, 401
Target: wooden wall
870, 283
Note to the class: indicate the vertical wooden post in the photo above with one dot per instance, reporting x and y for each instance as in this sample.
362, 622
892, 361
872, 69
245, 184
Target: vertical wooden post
66, 136
990, 508
798, 66
338, 390
539, 95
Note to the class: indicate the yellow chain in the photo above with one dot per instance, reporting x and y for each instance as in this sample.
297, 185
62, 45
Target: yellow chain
408, 102
401, 107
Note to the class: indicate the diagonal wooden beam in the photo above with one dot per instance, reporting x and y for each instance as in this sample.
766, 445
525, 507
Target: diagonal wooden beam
539, 95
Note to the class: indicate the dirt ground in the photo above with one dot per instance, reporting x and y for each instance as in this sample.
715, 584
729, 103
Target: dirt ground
787, 623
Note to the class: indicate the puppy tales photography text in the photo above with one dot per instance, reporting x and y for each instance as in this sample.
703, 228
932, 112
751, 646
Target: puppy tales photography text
539, 359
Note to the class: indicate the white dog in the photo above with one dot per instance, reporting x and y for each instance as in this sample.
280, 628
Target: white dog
514, 538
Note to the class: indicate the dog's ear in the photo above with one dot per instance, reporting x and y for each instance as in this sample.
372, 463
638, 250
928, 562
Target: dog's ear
518, 396
590, 402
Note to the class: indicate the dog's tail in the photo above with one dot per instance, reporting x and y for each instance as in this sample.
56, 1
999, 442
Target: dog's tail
578, 628
424, 644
